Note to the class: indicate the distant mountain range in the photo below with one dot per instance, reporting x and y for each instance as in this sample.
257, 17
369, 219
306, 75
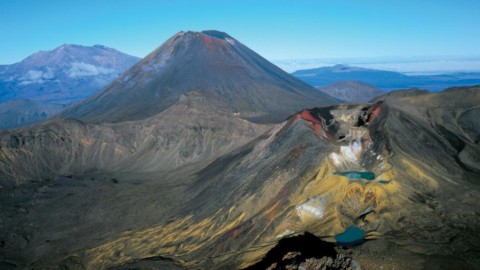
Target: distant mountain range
352, 91
401, 93
385, 80
56, 79
204, 155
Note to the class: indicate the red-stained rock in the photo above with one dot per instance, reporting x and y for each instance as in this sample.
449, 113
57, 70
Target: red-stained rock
318, 124
212, 43
307, 116
370, 113
374, 112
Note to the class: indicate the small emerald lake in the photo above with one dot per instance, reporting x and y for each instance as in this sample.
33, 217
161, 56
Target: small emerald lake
350, 237
357, 175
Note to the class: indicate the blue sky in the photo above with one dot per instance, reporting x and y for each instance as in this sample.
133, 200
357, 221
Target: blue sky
309, 29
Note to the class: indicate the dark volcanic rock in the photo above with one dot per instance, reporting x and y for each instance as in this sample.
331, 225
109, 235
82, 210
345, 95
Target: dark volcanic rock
329, 263
210, 62
283, 183
304, 252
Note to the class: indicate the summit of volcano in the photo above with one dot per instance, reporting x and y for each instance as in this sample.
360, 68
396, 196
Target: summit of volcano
210, 62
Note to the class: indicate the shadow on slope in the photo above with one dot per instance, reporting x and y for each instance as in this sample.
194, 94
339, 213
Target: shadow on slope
308, 245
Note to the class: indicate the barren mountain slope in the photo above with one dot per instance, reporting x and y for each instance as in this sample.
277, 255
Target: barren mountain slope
208, 61
312, 173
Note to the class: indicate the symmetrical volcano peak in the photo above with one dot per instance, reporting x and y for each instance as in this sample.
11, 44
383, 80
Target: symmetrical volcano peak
209, 61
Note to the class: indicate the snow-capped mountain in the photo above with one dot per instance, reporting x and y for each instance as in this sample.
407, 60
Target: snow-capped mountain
61, 76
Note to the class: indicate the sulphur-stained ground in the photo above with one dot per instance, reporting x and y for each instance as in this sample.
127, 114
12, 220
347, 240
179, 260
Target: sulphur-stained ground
420, 210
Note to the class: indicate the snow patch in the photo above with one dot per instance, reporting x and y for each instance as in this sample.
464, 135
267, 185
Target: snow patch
230, 41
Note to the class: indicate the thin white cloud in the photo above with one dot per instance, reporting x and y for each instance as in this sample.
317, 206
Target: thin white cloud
37, 76
32, 75
80, 69
49, 74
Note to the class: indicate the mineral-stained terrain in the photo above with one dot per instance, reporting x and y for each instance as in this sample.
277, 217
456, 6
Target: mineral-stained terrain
209, 179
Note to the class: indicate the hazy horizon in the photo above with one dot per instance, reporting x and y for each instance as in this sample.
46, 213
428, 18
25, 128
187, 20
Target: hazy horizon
411, 65
406, 65
275, 29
